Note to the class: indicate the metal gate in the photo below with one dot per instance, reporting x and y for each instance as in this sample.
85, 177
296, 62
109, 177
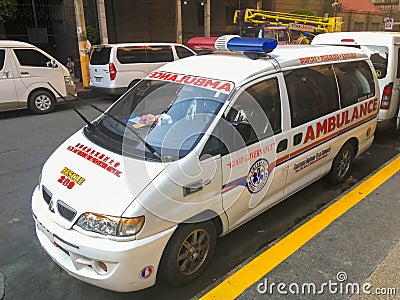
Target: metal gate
43, 23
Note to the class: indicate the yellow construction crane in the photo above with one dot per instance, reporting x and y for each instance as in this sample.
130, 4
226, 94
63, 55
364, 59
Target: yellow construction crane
293, 21
255, 20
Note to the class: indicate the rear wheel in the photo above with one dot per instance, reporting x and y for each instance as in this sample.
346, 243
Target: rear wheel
341, 165
41, 102
188, 252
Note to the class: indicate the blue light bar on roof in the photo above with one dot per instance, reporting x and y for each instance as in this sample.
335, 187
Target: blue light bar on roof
233, 43
257, 45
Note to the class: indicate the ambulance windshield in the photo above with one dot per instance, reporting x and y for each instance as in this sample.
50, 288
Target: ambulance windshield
158, 119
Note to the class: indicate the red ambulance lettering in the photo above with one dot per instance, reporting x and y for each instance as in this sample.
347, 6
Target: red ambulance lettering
189, 80
182, 79
199, 82
322, 128
210, 83
164, 76
331, 123
173, 77
226, 87
355, 114
340, 120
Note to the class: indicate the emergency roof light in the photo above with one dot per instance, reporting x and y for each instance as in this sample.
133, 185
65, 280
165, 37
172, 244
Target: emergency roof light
233, 43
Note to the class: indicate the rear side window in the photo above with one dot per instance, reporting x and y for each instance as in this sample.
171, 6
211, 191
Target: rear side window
379, 58
312, 93
183, 52
31, 58
159, 54
356, 82
132, 55
2, 58
100, 56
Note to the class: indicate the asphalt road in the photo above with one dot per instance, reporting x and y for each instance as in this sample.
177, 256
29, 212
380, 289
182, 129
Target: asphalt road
27, 272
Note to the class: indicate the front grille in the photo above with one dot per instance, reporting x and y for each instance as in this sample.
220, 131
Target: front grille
66, 211
46, 194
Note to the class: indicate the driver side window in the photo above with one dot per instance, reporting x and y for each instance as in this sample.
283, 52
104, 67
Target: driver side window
254, 116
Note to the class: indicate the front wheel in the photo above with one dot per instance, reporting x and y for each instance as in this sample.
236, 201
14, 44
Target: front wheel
41, 102
342, 164
188, 252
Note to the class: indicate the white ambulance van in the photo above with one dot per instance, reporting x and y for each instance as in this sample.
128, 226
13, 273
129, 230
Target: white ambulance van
31, 78
197, 148
383, 50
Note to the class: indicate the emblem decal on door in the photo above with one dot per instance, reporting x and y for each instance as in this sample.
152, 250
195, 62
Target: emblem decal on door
258, 176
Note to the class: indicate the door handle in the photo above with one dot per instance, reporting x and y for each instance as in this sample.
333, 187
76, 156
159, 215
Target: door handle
282, 146
24, 73
195, 187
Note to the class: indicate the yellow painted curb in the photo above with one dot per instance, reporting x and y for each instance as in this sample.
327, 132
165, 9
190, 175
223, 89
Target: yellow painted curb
238, 282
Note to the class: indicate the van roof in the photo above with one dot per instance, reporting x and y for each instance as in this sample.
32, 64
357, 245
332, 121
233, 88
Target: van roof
357, 38
10, 43
237, 67
133, 44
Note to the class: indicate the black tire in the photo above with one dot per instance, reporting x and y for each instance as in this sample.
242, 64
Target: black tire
41, 102
185, 257
342, 164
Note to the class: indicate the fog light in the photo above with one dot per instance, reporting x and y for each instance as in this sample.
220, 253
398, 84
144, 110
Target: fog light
99, 266
103, 266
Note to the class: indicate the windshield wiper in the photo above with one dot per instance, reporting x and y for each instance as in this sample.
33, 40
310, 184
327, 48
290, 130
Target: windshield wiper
146, 144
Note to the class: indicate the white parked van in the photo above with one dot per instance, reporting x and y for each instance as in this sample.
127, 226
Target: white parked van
383, 50
199, 147
116, 67
29, 77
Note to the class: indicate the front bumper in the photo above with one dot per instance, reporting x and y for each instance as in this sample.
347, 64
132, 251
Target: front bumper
71, 90
131, 265
109, 91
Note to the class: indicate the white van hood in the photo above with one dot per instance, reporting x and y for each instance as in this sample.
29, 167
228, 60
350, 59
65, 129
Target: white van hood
99, 177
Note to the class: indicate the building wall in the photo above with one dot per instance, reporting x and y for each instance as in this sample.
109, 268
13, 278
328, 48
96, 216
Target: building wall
139, 21
362, 22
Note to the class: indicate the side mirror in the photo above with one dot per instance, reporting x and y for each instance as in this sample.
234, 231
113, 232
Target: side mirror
244, 130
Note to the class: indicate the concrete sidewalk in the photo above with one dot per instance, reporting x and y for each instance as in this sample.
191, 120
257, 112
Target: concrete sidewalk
87, 93
356, 256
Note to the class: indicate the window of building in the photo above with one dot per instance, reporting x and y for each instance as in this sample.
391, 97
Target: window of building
358, 26
2, 58
356, 82
312, 93
31, 58
159, 54
183, 52
131, 55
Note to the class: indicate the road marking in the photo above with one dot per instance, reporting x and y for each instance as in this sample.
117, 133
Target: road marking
238, 282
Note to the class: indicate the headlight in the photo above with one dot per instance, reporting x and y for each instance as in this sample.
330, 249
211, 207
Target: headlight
109, 225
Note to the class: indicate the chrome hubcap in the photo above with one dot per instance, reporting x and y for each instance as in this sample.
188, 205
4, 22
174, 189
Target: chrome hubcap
344, 164
193, 252
42, 102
